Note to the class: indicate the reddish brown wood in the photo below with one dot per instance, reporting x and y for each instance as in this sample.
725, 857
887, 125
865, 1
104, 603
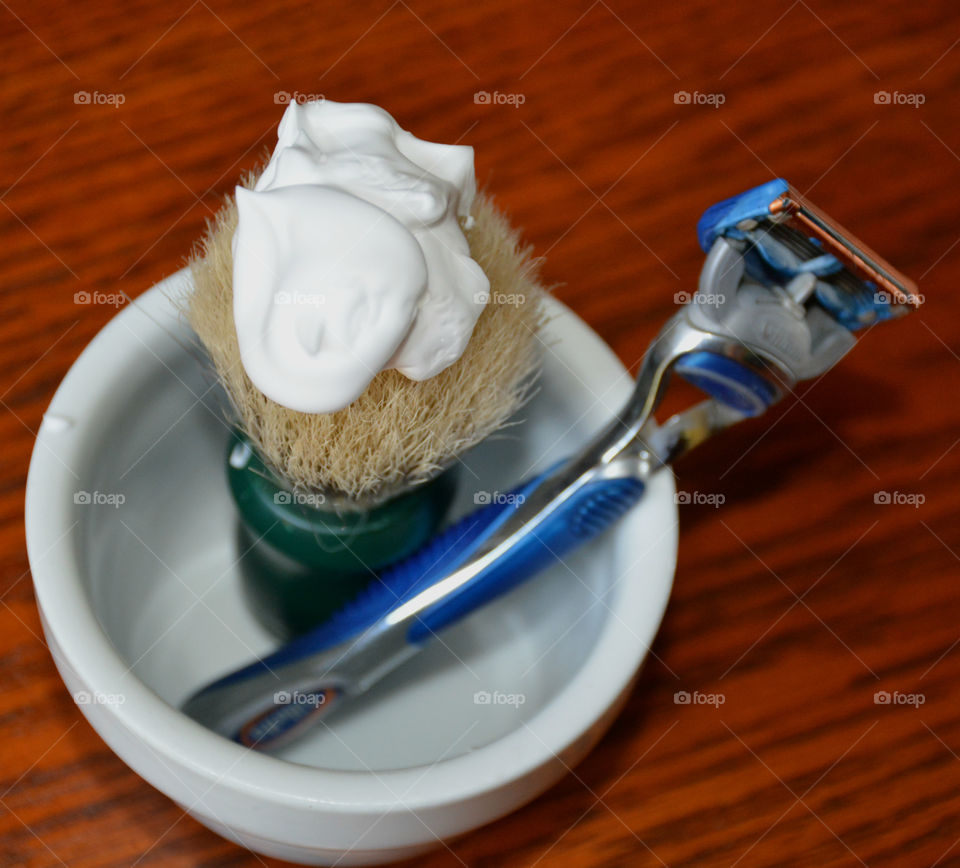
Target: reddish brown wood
607, 174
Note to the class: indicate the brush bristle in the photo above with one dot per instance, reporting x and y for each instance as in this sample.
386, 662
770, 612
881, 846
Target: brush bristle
399, 432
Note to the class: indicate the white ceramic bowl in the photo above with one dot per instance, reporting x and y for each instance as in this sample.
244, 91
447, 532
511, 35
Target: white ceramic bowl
141, 604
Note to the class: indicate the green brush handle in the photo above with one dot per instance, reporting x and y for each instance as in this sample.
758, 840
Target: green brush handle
301, 560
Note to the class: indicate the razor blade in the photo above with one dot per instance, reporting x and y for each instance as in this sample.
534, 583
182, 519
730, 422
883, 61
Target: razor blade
788, 236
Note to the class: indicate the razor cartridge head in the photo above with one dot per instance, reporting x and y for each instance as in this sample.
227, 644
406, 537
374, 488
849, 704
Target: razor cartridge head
781, 294
783, 236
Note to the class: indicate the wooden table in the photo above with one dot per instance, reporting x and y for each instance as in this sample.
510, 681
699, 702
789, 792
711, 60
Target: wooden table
795, 602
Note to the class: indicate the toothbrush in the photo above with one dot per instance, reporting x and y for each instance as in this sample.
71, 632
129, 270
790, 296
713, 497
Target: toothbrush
781, 291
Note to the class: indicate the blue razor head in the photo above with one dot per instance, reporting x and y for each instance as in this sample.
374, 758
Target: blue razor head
723, 218
784, 236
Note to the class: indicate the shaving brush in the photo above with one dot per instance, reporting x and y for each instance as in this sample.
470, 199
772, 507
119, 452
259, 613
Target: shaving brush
327, 498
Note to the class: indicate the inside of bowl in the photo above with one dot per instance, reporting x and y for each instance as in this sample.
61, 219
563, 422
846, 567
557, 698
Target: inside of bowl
161, 570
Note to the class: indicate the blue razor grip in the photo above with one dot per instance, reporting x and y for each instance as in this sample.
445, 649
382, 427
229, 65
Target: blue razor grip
590, 510
728, 381
395, 585
594, 507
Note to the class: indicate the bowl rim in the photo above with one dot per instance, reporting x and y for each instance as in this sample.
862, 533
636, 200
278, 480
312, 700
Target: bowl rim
80, 644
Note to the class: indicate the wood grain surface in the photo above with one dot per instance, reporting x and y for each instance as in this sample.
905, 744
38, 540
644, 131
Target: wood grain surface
796, 601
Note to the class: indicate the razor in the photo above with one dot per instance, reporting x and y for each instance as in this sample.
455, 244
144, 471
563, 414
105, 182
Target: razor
781, 295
